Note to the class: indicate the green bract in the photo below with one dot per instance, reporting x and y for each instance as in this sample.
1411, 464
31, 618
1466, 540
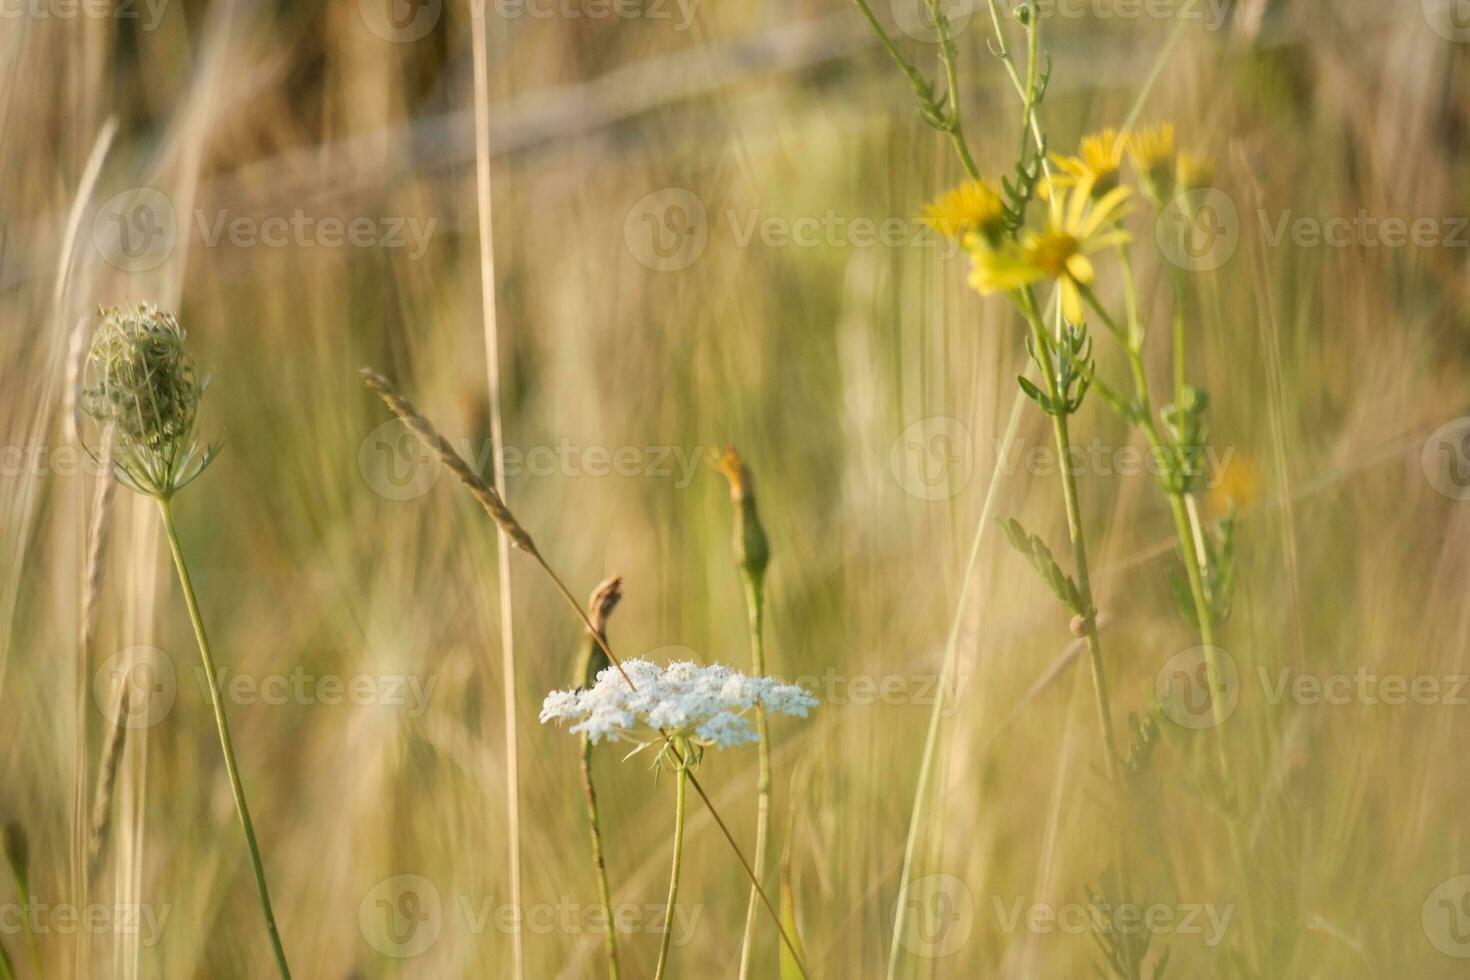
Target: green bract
141, 380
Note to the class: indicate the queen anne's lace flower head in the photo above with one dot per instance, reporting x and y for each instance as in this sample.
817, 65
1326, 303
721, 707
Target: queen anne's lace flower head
706, 705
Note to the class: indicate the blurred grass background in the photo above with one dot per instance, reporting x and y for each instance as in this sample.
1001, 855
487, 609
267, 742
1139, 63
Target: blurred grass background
1328, 368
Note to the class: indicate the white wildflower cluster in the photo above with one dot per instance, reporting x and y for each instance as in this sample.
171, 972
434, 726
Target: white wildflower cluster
708, 705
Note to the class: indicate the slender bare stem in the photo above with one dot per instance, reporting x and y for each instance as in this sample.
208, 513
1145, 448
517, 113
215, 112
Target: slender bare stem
679, 758
226, 745
497, 436
681, 777
1078, 541
755, 604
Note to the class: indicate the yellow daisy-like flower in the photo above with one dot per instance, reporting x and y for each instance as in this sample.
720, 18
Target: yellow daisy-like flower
1094, 169
1194, 172
974, 206
1152, 153
1077, 226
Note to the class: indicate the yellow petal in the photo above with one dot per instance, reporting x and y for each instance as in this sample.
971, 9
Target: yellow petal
1106, 240
1071, 302
1108, 208
1079, 267
1001, 272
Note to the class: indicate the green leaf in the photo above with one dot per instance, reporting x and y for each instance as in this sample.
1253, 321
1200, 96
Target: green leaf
1036, 551
1034, 393
1183, 598
789, 968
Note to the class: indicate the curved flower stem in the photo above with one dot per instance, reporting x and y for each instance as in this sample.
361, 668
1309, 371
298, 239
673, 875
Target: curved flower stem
756, 604
1191, 549
1183, 529
226, 745
679, 757
946, 120
1176, 282
604, 890
680, 780
1079, 543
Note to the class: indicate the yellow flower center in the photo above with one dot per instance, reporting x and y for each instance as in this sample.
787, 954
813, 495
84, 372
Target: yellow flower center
1052, 251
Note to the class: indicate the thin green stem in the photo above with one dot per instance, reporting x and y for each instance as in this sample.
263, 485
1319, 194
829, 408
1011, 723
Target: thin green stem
226, 745
680, 779
755, 605
679, 757
1176, 282
947, 671
955, 124
1144, 418
7, 969
1079, 543
599, 865
947, 120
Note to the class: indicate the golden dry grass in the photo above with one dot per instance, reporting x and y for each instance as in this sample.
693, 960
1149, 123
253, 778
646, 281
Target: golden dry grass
1328, 366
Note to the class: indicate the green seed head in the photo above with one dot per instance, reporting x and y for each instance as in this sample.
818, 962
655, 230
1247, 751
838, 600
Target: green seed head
141, 379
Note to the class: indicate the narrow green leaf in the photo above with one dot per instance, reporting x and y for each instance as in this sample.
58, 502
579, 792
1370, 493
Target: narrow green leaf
789, 968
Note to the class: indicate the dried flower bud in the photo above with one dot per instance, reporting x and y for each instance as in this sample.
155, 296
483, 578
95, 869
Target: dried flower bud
752, 550
140, 379
600, 604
